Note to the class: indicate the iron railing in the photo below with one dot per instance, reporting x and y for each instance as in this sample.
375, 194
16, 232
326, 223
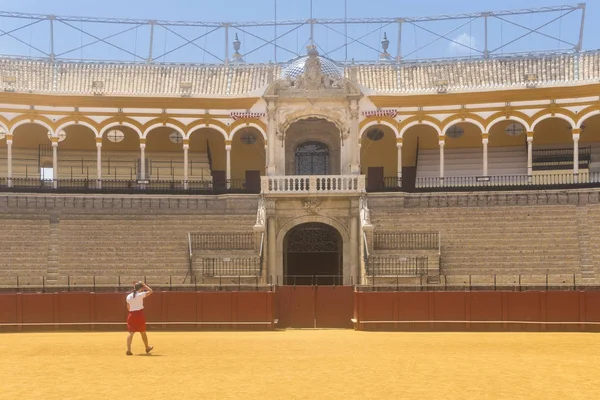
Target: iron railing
124, 186
406, 241
450, 283
230, 266
222, 241
551, 159
397, 266
75, 283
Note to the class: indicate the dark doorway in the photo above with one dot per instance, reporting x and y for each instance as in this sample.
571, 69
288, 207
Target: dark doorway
253, 181
313, 255
375, 179
219, 180
312, 158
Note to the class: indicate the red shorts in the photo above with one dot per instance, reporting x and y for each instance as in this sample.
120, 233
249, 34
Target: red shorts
136, 321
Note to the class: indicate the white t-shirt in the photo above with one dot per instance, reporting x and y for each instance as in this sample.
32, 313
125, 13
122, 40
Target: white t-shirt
136, 303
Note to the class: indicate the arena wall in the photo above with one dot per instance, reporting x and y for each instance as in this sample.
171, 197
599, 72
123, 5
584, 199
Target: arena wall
164, 310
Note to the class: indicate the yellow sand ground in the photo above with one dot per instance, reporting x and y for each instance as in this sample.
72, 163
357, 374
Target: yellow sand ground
311, 364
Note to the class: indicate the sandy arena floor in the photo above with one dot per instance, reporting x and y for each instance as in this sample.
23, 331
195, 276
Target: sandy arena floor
322, 364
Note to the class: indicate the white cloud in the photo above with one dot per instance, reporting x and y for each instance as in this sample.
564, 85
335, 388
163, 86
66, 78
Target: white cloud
465, 40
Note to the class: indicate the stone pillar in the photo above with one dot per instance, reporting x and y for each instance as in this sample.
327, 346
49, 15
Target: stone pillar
442, 142
228, 163
54, 161
99, 163
271, 136
266, 155
353, 160
399, 171
143, 159
354, 253
529, 153
576, 135
9, 159
271, 251
186, 147
485, 140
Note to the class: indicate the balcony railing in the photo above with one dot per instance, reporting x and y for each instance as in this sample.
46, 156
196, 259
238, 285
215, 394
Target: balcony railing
558, 180
37, 185
314, 184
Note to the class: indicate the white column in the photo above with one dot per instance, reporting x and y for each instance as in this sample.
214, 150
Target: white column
353, 160
99, 163
142, 159
186, 148
271, 251
266, 155
228, 161
576, 135
54, 162
529, 153
485, 142
271, 136
9, 159
442, 142
399, 173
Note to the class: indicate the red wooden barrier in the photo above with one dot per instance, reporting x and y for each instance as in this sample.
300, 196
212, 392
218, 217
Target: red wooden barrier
164, 310
315, 306
510, 311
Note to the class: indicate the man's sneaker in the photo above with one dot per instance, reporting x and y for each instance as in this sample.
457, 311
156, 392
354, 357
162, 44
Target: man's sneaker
129, 353
149, 349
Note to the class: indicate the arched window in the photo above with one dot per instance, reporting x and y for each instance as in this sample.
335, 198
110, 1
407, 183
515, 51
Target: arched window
312, 158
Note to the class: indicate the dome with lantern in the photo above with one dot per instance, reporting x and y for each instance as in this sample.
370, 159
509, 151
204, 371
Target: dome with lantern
296, 66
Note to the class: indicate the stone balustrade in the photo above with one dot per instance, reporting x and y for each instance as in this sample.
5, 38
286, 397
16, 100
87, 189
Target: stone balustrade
313, 185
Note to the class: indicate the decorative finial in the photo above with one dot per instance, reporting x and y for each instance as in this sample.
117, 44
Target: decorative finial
237, 57
311, 50
385, 44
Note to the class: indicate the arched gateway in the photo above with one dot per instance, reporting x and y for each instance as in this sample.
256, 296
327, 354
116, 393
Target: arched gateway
313, 255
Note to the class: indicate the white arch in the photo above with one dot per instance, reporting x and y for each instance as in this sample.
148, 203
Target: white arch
458, 121
374, 123
510, 118
557, 115
3, 126
586, 117
209, 126
251, 124
424, 122
83, 123
167, 125
28, 121
124, 123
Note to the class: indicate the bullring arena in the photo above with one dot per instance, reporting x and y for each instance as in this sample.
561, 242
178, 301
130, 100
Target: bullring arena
317, 227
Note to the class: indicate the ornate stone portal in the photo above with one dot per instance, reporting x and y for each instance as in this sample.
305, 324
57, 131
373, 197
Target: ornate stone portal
321, 105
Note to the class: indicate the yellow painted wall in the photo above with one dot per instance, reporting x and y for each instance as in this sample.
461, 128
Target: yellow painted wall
591, 131
30, 136
247, 157
499, 138
470, 139
427, 138
78, 138
382, 153
553, 131
131, 142
216, 142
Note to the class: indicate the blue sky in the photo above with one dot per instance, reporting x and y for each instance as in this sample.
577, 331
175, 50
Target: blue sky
210, 48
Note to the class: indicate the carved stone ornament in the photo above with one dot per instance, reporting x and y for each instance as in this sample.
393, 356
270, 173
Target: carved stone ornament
338, 116
312, 205
315, 81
